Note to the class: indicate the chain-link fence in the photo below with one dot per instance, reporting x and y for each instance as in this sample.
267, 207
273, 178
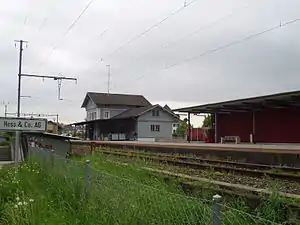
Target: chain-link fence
118, 200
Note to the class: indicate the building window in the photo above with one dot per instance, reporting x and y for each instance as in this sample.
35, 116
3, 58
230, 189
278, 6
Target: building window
106, 115
155, 112
152, 127
155, 128
94, 115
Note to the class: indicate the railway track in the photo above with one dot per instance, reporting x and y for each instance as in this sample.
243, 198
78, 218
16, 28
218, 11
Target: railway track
252, 166
246, 169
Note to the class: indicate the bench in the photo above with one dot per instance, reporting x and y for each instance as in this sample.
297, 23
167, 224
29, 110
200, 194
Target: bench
235, 139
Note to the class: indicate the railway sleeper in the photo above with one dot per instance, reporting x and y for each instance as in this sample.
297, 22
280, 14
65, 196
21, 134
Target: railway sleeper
218, 168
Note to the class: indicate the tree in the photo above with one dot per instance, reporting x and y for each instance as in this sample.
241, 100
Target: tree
207, 122
181, 129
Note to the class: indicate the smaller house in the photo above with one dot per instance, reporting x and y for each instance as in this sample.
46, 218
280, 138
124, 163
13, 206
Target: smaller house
126, 117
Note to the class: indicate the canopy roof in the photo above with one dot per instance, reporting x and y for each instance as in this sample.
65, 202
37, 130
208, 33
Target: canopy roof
279, 100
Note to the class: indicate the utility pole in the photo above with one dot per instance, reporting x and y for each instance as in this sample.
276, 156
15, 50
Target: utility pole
19, 74
108, 79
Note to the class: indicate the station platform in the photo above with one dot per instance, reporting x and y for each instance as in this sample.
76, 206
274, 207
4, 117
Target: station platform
270, 154
242, 147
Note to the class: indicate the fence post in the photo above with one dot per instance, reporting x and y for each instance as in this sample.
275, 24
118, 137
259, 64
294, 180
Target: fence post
216, 210
87, 177
52, 157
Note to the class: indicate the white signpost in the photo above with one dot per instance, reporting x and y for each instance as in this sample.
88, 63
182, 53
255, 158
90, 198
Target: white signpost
22, 124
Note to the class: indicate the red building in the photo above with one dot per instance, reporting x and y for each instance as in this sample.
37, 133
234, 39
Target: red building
268, 119
197, 134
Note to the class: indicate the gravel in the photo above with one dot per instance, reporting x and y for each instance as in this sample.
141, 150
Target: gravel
271, 184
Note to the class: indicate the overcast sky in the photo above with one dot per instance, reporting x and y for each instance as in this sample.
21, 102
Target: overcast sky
154, 64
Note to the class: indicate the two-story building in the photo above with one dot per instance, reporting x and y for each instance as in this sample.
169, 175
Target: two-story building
126, 117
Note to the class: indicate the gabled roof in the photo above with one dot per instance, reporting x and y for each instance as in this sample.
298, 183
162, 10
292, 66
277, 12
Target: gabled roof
131, 114
167, 107
136, 112
279, 100
115, 99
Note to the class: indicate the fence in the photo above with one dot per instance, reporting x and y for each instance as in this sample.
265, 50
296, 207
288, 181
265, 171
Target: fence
119, 200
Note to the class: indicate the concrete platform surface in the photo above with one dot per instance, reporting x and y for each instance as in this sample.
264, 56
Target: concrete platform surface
276, 148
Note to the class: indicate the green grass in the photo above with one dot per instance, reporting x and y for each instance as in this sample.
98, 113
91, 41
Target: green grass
39, 193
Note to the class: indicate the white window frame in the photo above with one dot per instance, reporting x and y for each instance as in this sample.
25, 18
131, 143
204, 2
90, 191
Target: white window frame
106, 113
155, 112
156, 128
152, 126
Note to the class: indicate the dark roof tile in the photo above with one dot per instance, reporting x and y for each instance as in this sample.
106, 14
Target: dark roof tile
116, 99
133, 112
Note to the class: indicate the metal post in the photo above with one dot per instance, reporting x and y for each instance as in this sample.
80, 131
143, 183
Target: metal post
19, 99
87, 177
216, 210
216, 128
189, 128
253, 127
19, 76
17, 147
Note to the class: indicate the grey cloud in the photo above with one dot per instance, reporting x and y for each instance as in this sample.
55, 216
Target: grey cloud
263, 65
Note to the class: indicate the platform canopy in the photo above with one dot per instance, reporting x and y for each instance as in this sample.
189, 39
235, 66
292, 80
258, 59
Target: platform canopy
279, 100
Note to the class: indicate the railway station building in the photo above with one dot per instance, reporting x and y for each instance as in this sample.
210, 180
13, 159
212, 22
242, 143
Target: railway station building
265, 119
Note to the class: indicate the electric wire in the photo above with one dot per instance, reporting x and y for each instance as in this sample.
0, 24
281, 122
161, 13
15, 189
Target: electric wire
142, 34
68, 30
222, 47
233, 43
200, 29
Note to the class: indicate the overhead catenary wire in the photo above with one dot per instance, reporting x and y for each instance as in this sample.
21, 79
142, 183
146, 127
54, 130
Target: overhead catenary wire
68, 30
79, 16
135, 38
234, 43
202, 28
222, 47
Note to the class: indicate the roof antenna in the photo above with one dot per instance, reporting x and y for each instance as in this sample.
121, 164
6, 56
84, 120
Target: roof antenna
108, 79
